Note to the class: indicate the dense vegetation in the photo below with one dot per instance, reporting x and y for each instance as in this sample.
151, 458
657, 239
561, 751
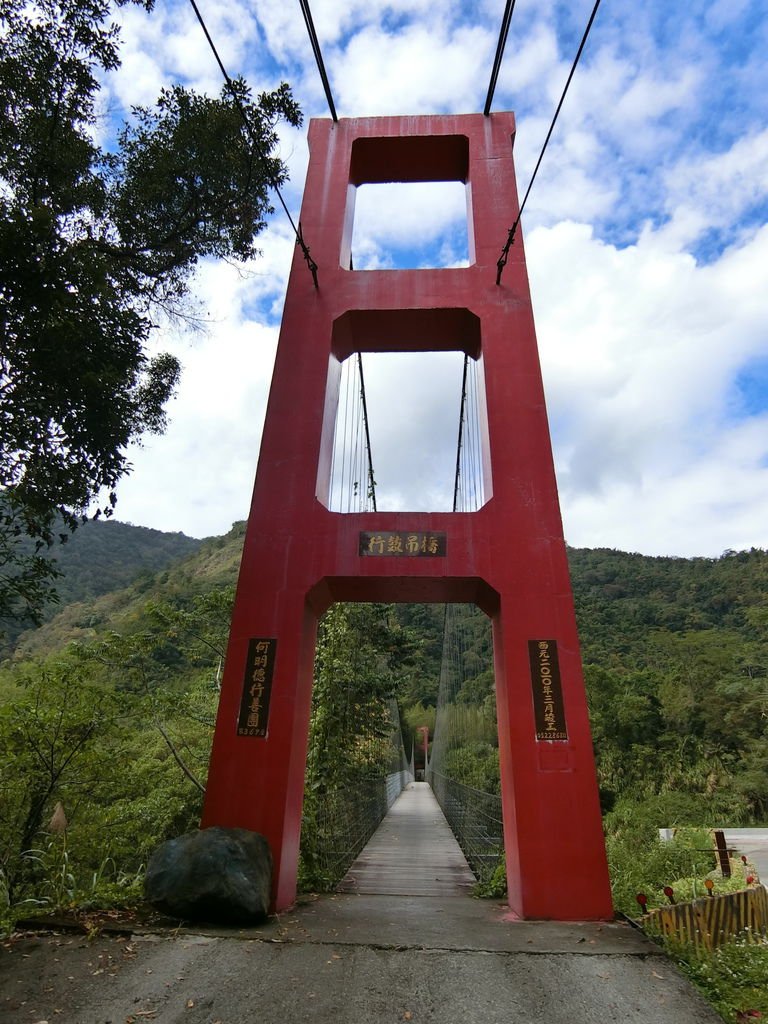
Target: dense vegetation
98, 558
102, 225
108, 709
676, 665
675, 651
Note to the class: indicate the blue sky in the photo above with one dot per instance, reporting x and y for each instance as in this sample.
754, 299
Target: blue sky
646, 237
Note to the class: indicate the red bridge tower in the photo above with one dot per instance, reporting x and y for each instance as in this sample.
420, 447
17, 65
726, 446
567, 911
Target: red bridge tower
508, 557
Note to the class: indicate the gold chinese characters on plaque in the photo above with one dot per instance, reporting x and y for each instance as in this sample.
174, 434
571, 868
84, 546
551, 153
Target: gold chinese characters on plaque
257, 687
403, 544
547, 690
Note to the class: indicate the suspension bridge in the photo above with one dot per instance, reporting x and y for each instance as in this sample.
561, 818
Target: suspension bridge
316, 535
378, 830
400, 940
440, 836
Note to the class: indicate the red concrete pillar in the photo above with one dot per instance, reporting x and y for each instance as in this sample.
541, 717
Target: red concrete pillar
508, 557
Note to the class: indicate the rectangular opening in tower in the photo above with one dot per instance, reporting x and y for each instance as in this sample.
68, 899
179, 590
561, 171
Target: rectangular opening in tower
424, 427
402, 693
408, 203
410, 225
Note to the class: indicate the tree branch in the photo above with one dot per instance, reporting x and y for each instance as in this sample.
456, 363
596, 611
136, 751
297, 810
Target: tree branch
178, 759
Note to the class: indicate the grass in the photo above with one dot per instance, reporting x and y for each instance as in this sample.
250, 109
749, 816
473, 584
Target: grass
734, 978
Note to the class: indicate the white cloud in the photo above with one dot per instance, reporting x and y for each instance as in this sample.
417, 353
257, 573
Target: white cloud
168, 45
641, 351
416, 448
428, 217
334, 20
705, 507
531, 64
713, 191
420, 69
661, 144
197, 477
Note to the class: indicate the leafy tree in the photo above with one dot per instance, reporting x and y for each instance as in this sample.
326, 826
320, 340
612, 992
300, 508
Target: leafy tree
416, 716
96, 246
53, 739
202, 627
66, 736
26, 576
350, 735
144, 665
474, 764
354, 679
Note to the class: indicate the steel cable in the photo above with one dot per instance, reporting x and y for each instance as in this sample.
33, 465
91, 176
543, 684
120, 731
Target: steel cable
315, 44
505, 22
502, 261
257, 148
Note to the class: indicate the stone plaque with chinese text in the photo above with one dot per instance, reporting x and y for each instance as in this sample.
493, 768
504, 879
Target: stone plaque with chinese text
257, 687
547, 691
403, 543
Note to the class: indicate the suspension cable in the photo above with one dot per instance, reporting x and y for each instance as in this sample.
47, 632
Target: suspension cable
371, 478
477, 449
255, 143
502, 261
355, 457
304, 4
506, 19
346, 431
462, 410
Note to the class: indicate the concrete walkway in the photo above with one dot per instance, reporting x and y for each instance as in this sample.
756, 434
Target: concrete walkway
349, 959
406, 944
412, 853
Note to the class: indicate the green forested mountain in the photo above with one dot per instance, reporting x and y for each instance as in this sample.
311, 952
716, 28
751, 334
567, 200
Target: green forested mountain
676, 664
100, 557
626, 603
145, 564
621, 597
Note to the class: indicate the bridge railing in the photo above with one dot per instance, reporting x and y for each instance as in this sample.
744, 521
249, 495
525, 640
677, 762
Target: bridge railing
345, 819
475, 819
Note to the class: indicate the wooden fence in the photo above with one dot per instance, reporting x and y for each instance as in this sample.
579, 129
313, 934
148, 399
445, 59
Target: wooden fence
713, 920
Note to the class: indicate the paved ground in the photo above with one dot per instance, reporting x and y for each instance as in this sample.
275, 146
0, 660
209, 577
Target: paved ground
753, 844
353, 960
441, 958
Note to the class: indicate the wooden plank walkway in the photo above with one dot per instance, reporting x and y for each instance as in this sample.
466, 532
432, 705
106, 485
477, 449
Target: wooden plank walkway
412, 853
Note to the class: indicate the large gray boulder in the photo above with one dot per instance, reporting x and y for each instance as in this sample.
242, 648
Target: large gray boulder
221, 875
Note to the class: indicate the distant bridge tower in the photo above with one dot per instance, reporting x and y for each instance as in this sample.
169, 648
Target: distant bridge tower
508, 557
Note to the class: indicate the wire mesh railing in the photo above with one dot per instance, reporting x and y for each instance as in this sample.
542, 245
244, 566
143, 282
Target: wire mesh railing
343, 820
476, 821
356, 769
463, 766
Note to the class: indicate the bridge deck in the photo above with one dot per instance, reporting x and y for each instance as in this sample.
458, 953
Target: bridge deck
412, 853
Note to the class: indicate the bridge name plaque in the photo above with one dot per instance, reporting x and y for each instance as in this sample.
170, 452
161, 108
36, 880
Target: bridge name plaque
547, 691
257, 687
403, 543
